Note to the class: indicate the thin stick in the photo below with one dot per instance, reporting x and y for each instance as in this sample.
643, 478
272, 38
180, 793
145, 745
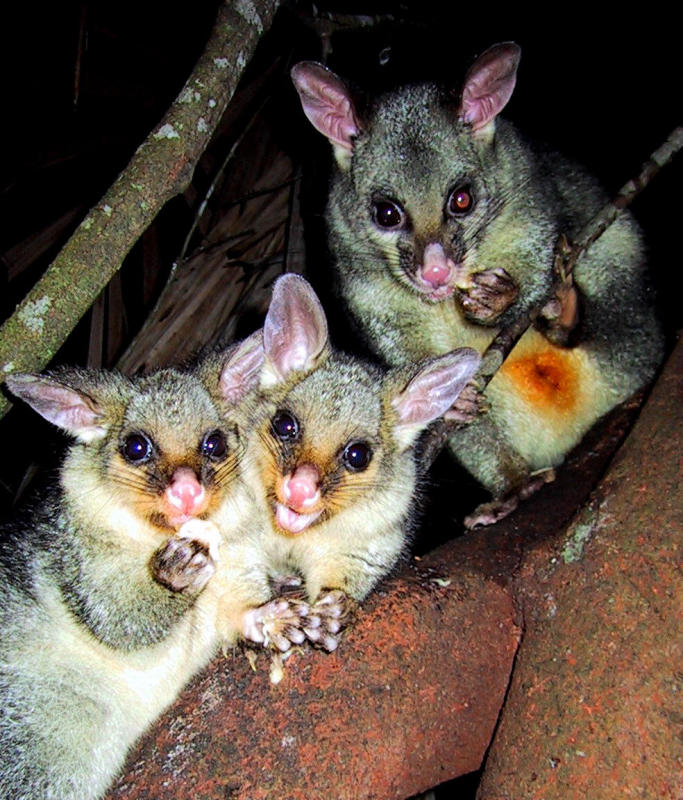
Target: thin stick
567, 254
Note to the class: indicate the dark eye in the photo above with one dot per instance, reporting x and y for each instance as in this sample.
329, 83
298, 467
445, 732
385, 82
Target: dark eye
285, 426
356, 456
387, 214
137, 448
461, 201
214, 446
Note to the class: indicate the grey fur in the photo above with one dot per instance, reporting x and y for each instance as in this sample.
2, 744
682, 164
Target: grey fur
414, 146
338, 400
92, 646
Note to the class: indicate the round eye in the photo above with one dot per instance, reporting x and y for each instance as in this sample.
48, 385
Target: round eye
285, 426
387, 214
137, 448
356, 456
214, 446
461, 201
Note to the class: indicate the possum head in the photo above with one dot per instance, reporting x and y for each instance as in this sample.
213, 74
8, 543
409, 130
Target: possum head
419, 179
333, 429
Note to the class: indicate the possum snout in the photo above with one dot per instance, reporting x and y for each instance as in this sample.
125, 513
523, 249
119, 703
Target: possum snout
185, 495
301, 488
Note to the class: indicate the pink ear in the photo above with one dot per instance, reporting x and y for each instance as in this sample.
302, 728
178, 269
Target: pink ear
326, 102
73, 411
489, 84
433, 391
295, 330
242, 369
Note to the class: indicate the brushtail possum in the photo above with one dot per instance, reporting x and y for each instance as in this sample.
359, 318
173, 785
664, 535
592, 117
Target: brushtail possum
329, 456
114, 579
443, 222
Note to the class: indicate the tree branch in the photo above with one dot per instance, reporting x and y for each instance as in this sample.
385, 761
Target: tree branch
160, 169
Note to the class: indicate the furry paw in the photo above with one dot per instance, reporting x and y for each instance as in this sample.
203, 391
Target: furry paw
277, 624
488, 295
490, 513
469, 405
183, 565
328, 617
285, 584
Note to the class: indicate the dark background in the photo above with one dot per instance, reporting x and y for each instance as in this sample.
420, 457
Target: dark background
605, 92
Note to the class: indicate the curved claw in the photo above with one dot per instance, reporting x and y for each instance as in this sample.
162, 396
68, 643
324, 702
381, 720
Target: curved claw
327, 618
278, 623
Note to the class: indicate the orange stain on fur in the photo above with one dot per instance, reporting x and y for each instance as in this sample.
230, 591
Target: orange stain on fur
547, 379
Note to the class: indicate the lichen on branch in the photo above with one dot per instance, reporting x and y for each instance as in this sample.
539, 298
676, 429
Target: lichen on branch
161, 168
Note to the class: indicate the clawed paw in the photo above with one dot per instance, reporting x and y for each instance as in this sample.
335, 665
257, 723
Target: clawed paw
471, 403
490, 513
488, 295
495, 510
277, 624
183, 565
327, 618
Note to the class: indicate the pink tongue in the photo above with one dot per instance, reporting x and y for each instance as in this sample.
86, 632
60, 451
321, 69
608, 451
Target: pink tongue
291, 521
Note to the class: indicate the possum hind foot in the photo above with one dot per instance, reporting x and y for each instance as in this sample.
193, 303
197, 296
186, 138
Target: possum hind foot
495, 510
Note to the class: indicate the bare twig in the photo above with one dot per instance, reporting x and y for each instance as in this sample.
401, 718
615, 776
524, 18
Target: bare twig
567, 254
82, 41
326, 23
214, 183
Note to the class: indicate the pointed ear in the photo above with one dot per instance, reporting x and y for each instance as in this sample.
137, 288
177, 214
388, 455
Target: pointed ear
242, 369
70, 409
432, 392
295, 330
327, 103
488, 86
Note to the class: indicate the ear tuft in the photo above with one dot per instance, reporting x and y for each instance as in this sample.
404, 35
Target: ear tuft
242, 369
70, 409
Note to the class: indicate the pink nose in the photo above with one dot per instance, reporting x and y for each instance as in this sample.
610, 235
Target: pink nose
185, 493
437, 268
301, 487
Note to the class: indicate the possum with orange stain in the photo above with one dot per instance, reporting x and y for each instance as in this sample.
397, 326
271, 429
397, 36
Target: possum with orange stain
443, 221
